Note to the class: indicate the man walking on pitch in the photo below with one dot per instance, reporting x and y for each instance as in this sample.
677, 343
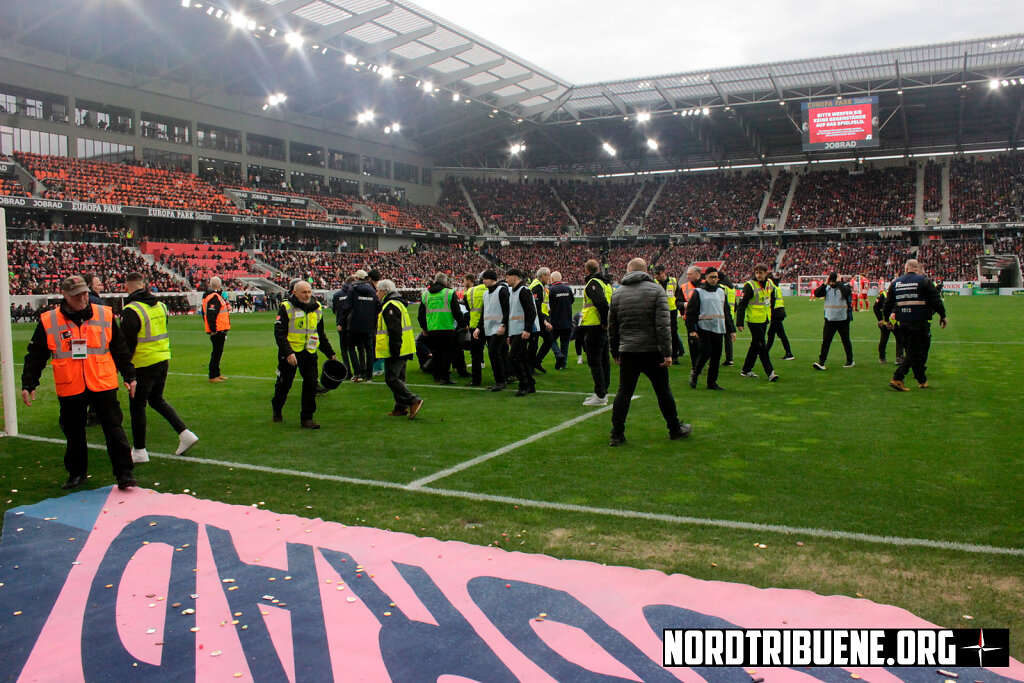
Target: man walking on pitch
640, 337
299, 333
914, 299
396, 345
838, 314
755, 309
493, 327
217, 317
144, 324
709, 320
596, 296
86, 345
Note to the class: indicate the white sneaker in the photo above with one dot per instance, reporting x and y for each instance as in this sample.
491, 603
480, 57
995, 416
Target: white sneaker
140, 455
579, 361
595, 400
850, 364
186, 440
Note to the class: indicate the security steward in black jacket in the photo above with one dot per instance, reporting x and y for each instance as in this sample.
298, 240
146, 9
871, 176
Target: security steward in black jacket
363, 307
914, 299
298, 339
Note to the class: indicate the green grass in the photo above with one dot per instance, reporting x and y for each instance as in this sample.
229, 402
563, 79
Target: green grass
834, 450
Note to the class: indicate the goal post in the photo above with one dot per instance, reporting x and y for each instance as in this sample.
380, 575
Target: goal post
6, 338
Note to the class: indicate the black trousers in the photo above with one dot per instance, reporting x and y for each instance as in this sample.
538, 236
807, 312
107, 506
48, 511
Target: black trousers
710, 354
778, 329
307, 368
631, 366
348, 356
827, 334
476, 358
497, 355
150, 390
883, 340
72, 422
595, 339
758, 348
362, 353
544, 340
917, 341
561, 347
394, 378
442, 347
677, 344
217, 340
728, 343
520, 361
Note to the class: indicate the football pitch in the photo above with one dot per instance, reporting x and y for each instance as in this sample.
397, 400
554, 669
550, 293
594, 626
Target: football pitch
826, 481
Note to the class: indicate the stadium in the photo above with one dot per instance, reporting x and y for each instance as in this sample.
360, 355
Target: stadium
270, 142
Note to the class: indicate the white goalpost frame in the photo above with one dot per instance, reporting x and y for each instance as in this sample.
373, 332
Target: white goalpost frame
6, 338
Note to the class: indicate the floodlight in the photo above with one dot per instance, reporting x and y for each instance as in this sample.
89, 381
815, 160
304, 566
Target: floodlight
209, 10
782, 103
239, 20
643, 117
396, 127
387, 130
456, 97
428, 86
705, 111
386, 72
494, 111
899, 92
186, 3
220, 14
1004, 82
517, 148
365, 117
350, 59
608, 148
272, 32
993, 84
294, 39
652, 144
1013, 81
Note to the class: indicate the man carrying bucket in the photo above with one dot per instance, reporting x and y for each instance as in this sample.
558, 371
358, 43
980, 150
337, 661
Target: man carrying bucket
299, 332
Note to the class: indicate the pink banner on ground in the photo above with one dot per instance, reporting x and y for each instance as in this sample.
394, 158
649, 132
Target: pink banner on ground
125, 585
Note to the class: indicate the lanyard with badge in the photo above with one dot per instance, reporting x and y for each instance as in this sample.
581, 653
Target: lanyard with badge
79, 349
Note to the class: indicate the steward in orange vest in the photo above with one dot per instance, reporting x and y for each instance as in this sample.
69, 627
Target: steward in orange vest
217, 316
87, 351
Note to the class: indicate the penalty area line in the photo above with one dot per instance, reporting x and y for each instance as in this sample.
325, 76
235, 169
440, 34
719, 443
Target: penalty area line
898, 541
419, 483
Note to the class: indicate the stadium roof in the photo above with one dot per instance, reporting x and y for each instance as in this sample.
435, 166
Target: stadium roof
465, 101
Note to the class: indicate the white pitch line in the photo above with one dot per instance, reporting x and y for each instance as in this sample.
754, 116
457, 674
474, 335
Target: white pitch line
412, 486
934, 341
585, 509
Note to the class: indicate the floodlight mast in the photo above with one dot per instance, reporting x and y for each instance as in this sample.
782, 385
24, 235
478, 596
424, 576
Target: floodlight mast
6, 338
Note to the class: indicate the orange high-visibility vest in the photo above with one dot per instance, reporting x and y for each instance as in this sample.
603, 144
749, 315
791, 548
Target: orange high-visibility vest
96, 371
686, 289
223, 319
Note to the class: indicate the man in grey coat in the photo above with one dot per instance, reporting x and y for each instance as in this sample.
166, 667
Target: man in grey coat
640, 337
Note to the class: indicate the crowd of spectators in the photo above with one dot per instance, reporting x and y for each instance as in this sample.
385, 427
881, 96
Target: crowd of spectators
932, 187
739, 258
408, 269
780, 190
880, 260
598, 207
951, 259
701, 202
568, 259
39, 267
198, 262
518, 208
636, 214
677, 257
453, 203
840, 198
986, 191
10, 187
127, 185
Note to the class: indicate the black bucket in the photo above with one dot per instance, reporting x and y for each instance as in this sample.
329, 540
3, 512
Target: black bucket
334, 373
